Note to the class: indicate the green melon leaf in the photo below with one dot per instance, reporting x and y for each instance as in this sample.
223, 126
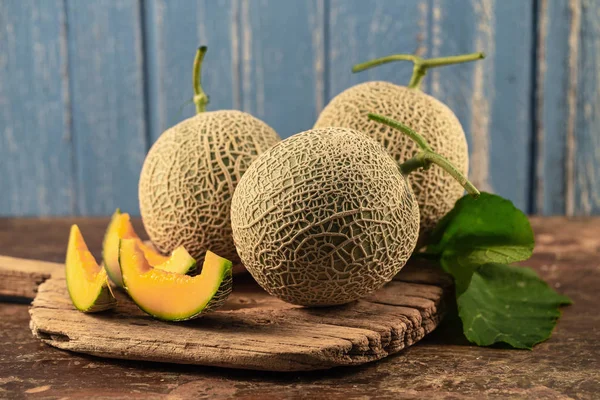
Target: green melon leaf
489, 229
508, 304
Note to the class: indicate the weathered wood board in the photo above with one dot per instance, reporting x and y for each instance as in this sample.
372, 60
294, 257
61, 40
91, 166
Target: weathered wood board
21, 277
253, 330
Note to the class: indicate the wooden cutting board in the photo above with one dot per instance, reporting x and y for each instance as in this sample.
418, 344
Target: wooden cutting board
253, 330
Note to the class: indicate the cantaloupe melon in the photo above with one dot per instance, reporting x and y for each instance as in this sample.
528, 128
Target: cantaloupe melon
87, 282
327, 216
170, 296
324, 217
436, 191
120, 227
190, 173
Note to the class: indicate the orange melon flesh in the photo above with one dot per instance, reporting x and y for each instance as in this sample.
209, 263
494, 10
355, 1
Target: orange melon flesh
171, 296
120, 227
87, 282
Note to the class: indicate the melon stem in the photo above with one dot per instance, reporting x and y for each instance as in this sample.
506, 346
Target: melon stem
426, 157
421, 65
200, 98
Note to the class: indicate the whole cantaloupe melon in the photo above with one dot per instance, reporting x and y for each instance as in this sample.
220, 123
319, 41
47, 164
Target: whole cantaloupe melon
190, 174
435, 190
324, 218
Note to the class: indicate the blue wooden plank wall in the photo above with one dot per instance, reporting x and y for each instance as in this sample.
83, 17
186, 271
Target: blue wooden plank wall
87, 87
105, 64
37, 174
567, 179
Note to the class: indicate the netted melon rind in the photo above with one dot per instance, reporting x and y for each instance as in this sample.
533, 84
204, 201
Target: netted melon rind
435, 190
222, 294
324, 218
189, 176
218, 300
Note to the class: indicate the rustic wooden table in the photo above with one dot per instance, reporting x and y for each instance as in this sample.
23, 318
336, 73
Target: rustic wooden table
441, 366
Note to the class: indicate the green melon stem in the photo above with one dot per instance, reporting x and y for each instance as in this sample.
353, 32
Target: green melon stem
426, 157
421, 65
200, 98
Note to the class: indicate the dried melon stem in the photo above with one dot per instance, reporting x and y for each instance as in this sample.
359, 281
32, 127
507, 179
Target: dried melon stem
421, 65
200, 98
426, 157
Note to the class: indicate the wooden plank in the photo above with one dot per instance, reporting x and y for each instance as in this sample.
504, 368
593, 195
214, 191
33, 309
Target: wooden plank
558, 38
106, 80
21, 277
572, 94
283, 62
173, 31
359, 31
35, 137
586, 148
268, 333
252, 331
568, 108
437, 367
492, 98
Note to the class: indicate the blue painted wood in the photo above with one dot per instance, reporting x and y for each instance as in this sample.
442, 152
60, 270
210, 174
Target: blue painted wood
106, 80
174, 30
35, 143
554, 26
283, 61
86, 87
568, 136
492, 98
586, 154
361, 30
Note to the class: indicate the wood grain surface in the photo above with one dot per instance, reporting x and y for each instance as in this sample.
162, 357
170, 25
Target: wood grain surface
86, 87
21, 277
253, 330
568, 107
36, 142
107, 102
440, 366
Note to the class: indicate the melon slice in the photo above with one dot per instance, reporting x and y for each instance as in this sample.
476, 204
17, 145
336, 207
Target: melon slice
120, 227
87, 282
171, 296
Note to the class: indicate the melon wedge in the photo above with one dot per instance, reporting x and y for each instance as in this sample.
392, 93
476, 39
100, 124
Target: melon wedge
87, 282
120, 227
171, 296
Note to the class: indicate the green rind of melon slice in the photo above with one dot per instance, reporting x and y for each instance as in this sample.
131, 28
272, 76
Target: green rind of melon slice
170, 296
104, 301
105, 251
87, 282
